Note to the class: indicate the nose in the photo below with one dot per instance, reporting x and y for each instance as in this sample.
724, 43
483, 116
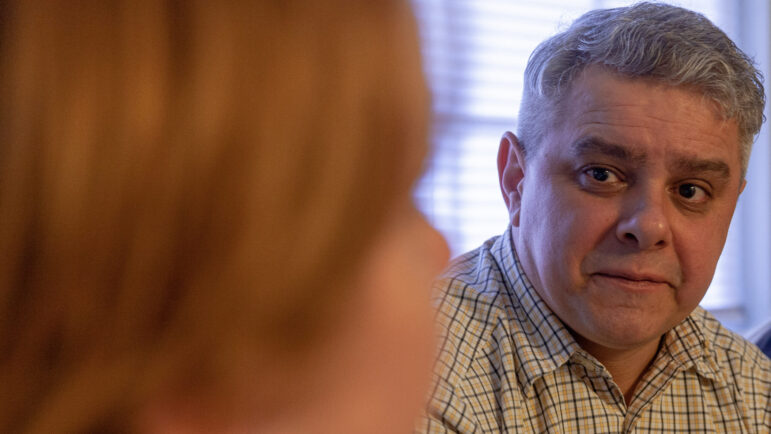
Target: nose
644, 222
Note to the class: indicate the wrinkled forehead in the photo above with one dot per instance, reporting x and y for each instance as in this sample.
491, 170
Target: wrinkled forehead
602, 79
643, 116
600, 94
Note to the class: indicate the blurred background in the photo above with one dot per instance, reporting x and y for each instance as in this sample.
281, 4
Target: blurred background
475, 56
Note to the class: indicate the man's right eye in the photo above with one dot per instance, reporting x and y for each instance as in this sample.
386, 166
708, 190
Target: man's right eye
602, 174
601, 179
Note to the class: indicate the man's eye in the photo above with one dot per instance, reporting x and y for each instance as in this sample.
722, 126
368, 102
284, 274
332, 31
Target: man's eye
601, 174
692, 192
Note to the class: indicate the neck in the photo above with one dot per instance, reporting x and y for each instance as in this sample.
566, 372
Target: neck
627, 366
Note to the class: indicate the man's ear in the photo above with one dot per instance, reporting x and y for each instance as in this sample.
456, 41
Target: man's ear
511, 173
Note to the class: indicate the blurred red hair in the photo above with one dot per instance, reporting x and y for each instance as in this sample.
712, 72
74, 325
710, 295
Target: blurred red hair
183, 186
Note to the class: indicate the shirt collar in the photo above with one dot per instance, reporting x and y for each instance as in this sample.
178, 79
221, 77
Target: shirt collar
549, 343
688, 347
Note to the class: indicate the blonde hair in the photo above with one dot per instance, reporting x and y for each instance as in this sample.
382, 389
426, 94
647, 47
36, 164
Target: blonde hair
183, 184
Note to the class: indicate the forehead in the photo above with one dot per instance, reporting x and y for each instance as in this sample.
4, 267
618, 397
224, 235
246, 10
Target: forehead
647, 117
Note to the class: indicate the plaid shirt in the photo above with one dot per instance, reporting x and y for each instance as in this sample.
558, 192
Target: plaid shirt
508, 364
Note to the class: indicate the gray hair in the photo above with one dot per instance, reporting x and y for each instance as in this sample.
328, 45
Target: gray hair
667, 43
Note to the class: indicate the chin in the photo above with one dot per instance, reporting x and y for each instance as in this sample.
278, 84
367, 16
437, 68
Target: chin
632, 341
627, 334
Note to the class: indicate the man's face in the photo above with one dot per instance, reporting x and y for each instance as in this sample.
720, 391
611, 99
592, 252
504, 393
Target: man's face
624, 207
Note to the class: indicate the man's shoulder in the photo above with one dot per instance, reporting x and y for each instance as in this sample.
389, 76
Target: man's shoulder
472, 300
473, 283
735, 355
478, 268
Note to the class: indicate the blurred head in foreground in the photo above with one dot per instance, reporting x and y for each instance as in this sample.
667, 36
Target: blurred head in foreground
205, 217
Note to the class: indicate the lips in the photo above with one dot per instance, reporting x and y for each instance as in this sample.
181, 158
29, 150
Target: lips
641, 280
629, 270
651, 277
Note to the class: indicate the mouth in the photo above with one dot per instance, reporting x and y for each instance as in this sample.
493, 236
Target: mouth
636, 281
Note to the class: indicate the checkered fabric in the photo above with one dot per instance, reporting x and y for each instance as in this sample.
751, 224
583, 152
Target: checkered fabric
508, 364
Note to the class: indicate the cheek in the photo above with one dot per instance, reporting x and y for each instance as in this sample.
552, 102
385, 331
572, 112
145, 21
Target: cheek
399, 315
400, 308
403, 273
401, 342
698, 259
568, 226
698, 251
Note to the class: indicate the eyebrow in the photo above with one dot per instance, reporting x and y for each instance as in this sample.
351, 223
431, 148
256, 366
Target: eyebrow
687, 164
596, 145
696, 165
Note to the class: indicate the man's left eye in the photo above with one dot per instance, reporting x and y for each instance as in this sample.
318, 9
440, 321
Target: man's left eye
692, 192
